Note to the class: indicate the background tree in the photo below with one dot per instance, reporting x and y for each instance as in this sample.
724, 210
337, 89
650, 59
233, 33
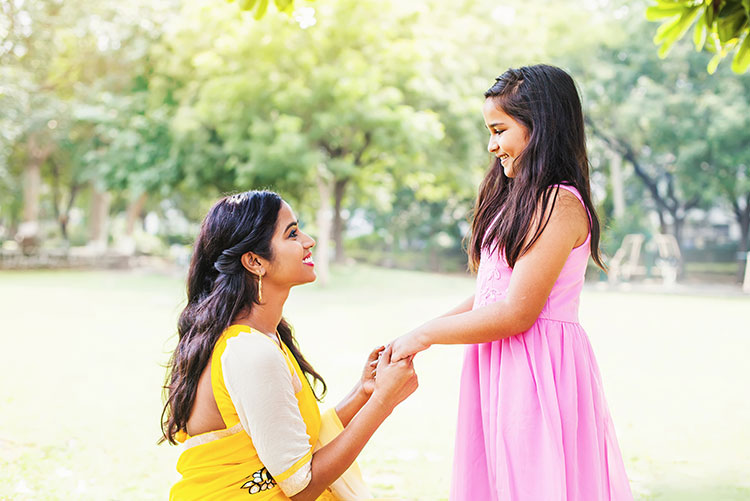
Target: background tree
644, 111
329, 107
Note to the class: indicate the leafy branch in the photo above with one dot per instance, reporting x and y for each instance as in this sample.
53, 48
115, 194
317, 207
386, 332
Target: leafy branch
261, 6
720, 27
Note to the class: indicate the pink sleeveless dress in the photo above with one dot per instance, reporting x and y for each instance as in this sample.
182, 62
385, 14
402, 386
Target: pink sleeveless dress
533, 424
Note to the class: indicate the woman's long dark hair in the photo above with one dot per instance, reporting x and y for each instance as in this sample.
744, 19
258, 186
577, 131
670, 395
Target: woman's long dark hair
218, 289
543, 99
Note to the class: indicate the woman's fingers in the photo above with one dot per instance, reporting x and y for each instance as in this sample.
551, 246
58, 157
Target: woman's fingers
374, 354
385, 356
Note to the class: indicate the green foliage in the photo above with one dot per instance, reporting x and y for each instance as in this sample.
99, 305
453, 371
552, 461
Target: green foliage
351, 100
261, 6
184, 101
670, 122
720, 27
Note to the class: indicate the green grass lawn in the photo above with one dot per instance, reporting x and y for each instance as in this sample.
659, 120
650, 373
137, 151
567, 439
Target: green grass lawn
82, 356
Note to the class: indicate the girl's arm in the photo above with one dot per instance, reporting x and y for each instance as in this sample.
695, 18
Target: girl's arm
395, 382
358, 396
531, 282
462, 307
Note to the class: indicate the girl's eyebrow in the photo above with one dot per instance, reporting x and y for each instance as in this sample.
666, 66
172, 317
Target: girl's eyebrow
495, 124
293, 223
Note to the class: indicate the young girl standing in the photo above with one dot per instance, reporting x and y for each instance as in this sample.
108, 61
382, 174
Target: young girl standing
533, 423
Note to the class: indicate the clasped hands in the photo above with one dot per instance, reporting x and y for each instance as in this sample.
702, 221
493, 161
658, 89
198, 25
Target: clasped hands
389, 371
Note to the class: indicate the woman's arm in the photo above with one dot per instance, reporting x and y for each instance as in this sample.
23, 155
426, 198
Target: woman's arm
351, 404
395, 382
531, 282
360, 394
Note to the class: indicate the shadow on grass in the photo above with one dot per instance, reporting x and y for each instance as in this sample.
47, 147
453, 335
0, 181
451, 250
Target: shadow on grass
702, 492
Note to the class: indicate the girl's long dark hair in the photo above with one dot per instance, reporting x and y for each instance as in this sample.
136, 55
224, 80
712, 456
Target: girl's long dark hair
218, 289
543, 99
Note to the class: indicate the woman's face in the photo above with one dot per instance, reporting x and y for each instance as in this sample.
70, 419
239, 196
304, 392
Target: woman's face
508, 138
292, 262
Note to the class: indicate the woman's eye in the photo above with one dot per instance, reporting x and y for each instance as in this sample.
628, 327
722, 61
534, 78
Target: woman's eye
293, 234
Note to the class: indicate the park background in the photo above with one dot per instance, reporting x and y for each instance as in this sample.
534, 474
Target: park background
122, 122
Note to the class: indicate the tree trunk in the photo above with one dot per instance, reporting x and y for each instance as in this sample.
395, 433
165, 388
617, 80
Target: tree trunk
31, 191
62, 210
744, 221
323, 216
743, 218
677, 224
338, 222
618, 188
127, 244
28, 231
662, 222
99, 222
134, 212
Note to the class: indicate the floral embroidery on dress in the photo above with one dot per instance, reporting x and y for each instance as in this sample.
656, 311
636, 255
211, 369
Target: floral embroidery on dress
260, 481
491, 286
489, 296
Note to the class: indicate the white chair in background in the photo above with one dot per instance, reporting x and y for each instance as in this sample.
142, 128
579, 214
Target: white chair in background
625, 264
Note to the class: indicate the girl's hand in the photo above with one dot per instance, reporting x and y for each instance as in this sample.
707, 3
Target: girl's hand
368, 373
408, 345
395, 381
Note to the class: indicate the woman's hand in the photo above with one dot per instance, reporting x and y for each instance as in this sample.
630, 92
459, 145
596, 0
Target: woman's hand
395, 381
408, 345
368, 373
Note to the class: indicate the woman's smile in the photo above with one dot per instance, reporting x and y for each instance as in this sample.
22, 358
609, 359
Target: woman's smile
308, 260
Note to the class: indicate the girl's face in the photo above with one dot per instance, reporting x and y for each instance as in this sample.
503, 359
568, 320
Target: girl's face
508, 138
292, 262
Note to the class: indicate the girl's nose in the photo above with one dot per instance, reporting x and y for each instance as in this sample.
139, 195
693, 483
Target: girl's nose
491, 146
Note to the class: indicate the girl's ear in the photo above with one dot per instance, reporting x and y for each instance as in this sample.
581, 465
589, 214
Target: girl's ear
253, 263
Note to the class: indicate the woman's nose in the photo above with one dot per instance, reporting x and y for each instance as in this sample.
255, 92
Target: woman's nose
310, 242
491, 146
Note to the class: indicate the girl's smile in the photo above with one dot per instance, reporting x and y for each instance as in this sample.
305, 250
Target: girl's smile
508, 138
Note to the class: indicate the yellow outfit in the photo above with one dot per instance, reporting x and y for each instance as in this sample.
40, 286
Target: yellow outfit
224, 465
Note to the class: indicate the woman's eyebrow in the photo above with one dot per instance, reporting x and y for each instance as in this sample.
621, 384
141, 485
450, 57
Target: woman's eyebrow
293, 223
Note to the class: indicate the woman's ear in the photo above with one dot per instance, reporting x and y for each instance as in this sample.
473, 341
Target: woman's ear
253, 263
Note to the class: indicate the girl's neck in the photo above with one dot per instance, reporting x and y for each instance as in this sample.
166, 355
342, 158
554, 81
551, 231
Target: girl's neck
265, 317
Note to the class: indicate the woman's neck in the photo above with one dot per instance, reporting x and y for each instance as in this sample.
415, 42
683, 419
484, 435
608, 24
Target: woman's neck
266, 316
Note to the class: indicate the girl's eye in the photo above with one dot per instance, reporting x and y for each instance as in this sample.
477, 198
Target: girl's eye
293, 234
497, 131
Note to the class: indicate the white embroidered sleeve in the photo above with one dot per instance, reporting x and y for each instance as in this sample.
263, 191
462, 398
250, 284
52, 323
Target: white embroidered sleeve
261, 387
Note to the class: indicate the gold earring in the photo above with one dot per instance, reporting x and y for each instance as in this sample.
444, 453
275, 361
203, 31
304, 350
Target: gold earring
260, 287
